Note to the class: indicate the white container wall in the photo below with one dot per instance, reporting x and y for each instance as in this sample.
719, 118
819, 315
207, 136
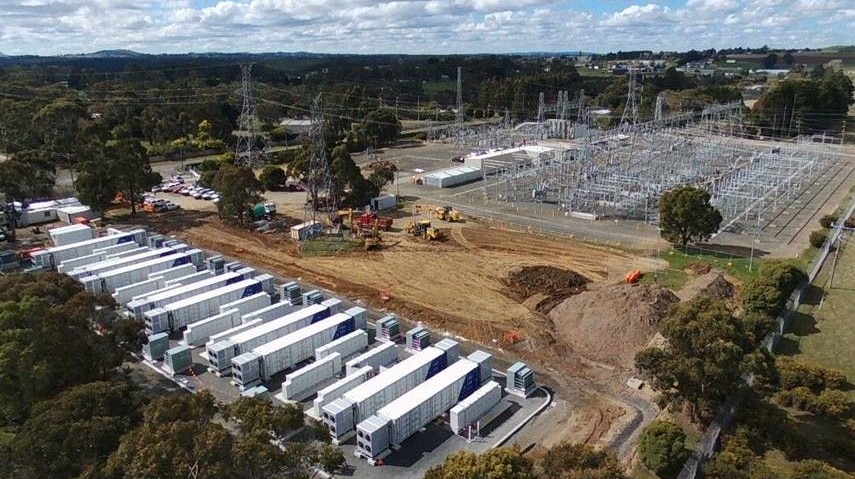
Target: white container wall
271, 312
215, 338
346, 346
248, 304
72, 263
116, 248
66, 235
139, 306
177, 272
338, 388
111, 262
198, 333
125, 294
220, 354
381, 356
305, 381
110, 280
127, 253
52, 257
189, 279
179, 314
476, 406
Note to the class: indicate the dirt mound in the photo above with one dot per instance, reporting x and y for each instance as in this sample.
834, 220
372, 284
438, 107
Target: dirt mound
612, 323
711, 285
542, 287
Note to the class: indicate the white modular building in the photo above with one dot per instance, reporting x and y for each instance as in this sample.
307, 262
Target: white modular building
337, 389
138, 307
378, 357
126, 293
473, 408
108, 281
452, 176
346, 346
177, 315
403, 417
199, 332
284, 353
65, 235
305, 381
342, 415
51, 257
220, 354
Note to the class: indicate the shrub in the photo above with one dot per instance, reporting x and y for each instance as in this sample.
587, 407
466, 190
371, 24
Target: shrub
763, 297
833, 403
793, 373
817, 238
663, 447
849, 223
827, 220
799, 398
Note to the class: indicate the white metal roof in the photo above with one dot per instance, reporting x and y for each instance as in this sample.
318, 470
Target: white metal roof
188, 287
452, 172
144, 264
74, 209
300, 334
428, 389
93, 241
66, 229
183, 303
276, 324
393, 374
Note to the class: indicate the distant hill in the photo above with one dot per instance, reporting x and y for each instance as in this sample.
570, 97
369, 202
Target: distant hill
108, 54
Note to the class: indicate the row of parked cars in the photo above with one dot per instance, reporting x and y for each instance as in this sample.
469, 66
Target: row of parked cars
181, 188
155, 204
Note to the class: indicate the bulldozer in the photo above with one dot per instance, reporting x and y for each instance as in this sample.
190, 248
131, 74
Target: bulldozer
423, 229
447, 213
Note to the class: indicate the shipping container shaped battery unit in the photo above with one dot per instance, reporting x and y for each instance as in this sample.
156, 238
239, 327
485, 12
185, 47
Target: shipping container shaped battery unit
72, 263
178, 359
333, 303
177, 315
189, 279
116, 248
291, 292
520, 380
233, 266
335, 390
118, 262
248, 304
367, 398
216, 264
284, 353
346, 346
418, 338
306, 381
403, 417
156, 240
108, 281
176, 272
388, 329
197, 333
220, 354
376, 358
52, 257
276, 310
138, 307
472, 409
245, 326
125, 294
156, 346
66, 235
127, 253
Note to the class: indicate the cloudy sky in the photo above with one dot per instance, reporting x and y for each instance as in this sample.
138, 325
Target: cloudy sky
418, 26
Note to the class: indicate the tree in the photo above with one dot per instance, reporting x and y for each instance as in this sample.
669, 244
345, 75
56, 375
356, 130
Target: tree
96, 184
788, 59
380, 173
130, 165
330, 458
75, 431
813, 469
817, 238
272, 177
239, 191
579, 461
704, 359
499, 463
59, 124
770, 60
663, 447
27, 175
382, 126
685, 215
258, 414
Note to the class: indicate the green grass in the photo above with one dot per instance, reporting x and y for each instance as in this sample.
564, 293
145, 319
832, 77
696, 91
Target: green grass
822, 330
434, 87
328, 246
675, 275
673, 279
590, 72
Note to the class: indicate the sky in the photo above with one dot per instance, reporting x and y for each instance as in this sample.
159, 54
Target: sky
48, 27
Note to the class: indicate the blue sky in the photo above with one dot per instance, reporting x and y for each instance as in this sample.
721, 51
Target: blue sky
418, 26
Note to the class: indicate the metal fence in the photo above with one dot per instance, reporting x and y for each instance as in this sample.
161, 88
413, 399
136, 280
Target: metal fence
711, 438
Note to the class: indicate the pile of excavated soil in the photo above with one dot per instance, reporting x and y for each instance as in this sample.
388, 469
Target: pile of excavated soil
612, 323
542, 287
711, 285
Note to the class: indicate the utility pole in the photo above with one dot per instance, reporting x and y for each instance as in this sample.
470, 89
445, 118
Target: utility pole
248, 152
318, 177
459, 117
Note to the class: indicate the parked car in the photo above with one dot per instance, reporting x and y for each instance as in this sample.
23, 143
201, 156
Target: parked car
170, 206
185, 191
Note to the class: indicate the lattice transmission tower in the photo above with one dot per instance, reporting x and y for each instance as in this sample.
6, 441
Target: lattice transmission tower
320, 200
630, 110
459, 118
249, 149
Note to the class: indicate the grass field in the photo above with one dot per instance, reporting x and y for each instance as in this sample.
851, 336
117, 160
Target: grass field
823, 331
675, 275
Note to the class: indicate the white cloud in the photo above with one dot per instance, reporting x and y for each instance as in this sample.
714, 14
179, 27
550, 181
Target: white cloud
639, 15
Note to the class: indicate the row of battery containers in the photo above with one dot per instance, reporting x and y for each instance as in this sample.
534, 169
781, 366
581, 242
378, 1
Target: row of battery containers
108, 280
398, 420
177, 315
264, 361
55, 256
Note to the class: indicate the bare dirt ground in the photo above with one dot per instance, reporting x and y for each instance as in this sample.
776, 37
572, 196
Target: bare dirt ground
462, 285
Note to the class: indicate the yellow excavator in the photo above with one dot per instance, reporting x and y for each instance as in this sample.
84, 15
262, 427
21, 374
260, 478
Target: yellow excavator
423, 229
447, 213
